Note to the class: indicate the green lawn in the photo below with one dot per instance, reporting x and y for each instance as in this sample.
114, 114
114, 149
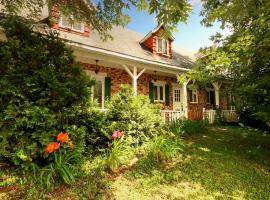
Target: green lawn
224, 163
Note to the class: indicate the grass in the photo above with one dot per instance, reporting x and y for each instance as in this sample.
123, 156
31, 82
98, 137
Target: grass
224, 163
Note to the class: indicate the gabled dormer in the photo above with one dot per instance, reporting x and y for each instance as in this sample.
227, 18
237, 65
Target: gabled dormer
68, 23
158, 44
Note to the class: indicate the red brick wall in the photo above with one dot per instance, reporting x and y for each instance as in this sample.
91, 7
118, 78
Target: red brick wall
195, 110
55, 24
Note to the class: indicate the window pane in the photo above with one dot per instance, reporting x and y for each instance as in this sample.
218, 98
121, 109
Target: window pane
161, 93
77, 26
159, 45
98, 92
189, 95
155, 93
165, 46
65, 21
194, 97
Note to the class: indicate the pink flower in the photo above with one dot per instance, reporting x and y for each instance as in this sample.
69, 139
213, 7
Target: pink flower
117, 134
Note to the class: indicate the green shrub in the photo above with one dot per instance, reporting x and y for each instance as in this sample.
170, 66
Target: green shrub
135, 115
187, 126
40, 86
59, 170
159, 149
118, 154
194, 126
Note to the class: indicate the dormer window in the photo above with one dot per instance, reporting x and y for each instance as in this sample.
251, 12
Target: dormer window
70, 23
162, 46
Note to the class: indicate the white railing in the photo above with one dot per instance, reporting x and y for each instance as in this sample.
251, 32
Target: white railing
229, 116
209, 115
226, 115
171, 115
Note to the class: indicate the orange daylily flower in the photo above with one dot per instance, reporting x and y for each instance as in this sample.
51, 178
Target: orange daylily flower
62, 137
52, 147
71, 145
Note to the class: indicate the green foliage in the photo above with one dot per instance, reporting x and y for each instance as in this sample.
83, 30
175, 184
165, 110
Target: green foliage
95, 124
188, 126
118, 154
103, 15
242, 57
134, 115
40, 87
59, 170
160, 149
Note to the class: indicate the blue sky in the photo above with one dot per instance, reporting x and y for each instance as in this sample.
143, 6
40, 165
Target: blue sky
190, 36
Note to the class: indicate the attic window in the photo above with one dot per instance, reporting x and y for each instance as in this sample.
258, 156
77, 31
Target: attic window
70, 23
162, 46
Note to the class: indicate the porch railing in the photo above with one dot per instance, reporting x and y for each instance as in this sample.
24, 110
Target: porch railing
226, 115
171, 115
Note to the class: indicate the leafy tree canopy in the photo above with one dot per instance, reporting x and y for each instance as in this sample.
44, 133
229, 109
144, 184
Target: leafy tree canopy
242, 57
103, 14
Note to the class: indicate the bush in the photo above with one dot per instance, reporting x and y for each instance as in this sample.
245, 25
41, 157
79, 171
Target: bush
134, 115
159, 149
188, 126
40, 84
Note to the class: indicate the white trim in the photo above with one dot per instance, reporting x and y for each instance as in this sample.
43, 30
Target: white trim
99, 77
127, 57
159, 84
162, 45
71, 25
193, 92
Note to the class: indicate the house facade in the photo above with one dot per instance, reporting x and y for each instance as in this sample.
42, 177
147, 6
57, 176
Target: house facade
148, 63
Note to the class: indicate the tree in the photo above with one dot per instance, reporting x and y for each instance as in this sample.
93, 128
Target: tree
103, 14
42, 89
243, 58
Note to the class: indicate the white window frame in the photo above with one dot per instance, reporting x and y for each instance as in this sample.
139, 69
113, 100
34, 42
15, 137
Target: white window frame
194, 91
159, 84
71, 25
162, 46
99, 77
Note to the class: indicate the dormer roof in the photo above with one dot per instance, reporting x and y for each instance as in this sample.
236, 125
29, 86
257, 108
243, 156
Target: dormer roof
155, 30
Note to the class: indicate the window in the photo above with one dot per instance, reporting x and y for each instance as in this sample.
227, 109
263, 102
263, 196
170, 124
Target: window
232, 102
177, 95
69, 22
192, 96
211, 97
98, 90
159, 92
162, 46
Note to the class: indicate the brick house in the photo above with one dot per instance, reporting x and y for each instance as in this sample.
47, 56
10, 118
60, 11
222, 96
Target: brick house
149, 63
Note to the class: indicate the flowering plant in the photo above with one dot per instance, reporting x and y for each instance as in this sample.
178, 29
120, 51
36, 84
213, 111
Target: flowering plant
117, 134
61, 138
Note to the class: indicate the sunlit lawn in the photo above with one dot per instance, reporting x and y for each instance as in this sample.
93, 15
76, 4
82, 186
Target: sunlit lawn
224, 163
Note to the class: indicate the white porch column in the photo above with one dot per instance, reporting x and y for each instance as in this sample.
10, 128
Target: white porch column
185, 99
134, 75
217, 86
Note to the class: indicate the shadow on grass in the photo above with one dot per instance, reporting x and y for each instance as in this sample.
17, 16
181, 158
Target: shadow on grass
223, 164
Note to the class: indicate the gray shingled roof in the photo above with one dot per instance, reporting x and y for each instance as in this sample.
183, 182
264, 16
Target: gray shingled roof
127, 42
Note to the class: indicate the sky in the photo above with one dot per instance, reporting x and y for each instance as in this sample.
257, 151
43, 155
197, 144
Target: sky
190, 36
